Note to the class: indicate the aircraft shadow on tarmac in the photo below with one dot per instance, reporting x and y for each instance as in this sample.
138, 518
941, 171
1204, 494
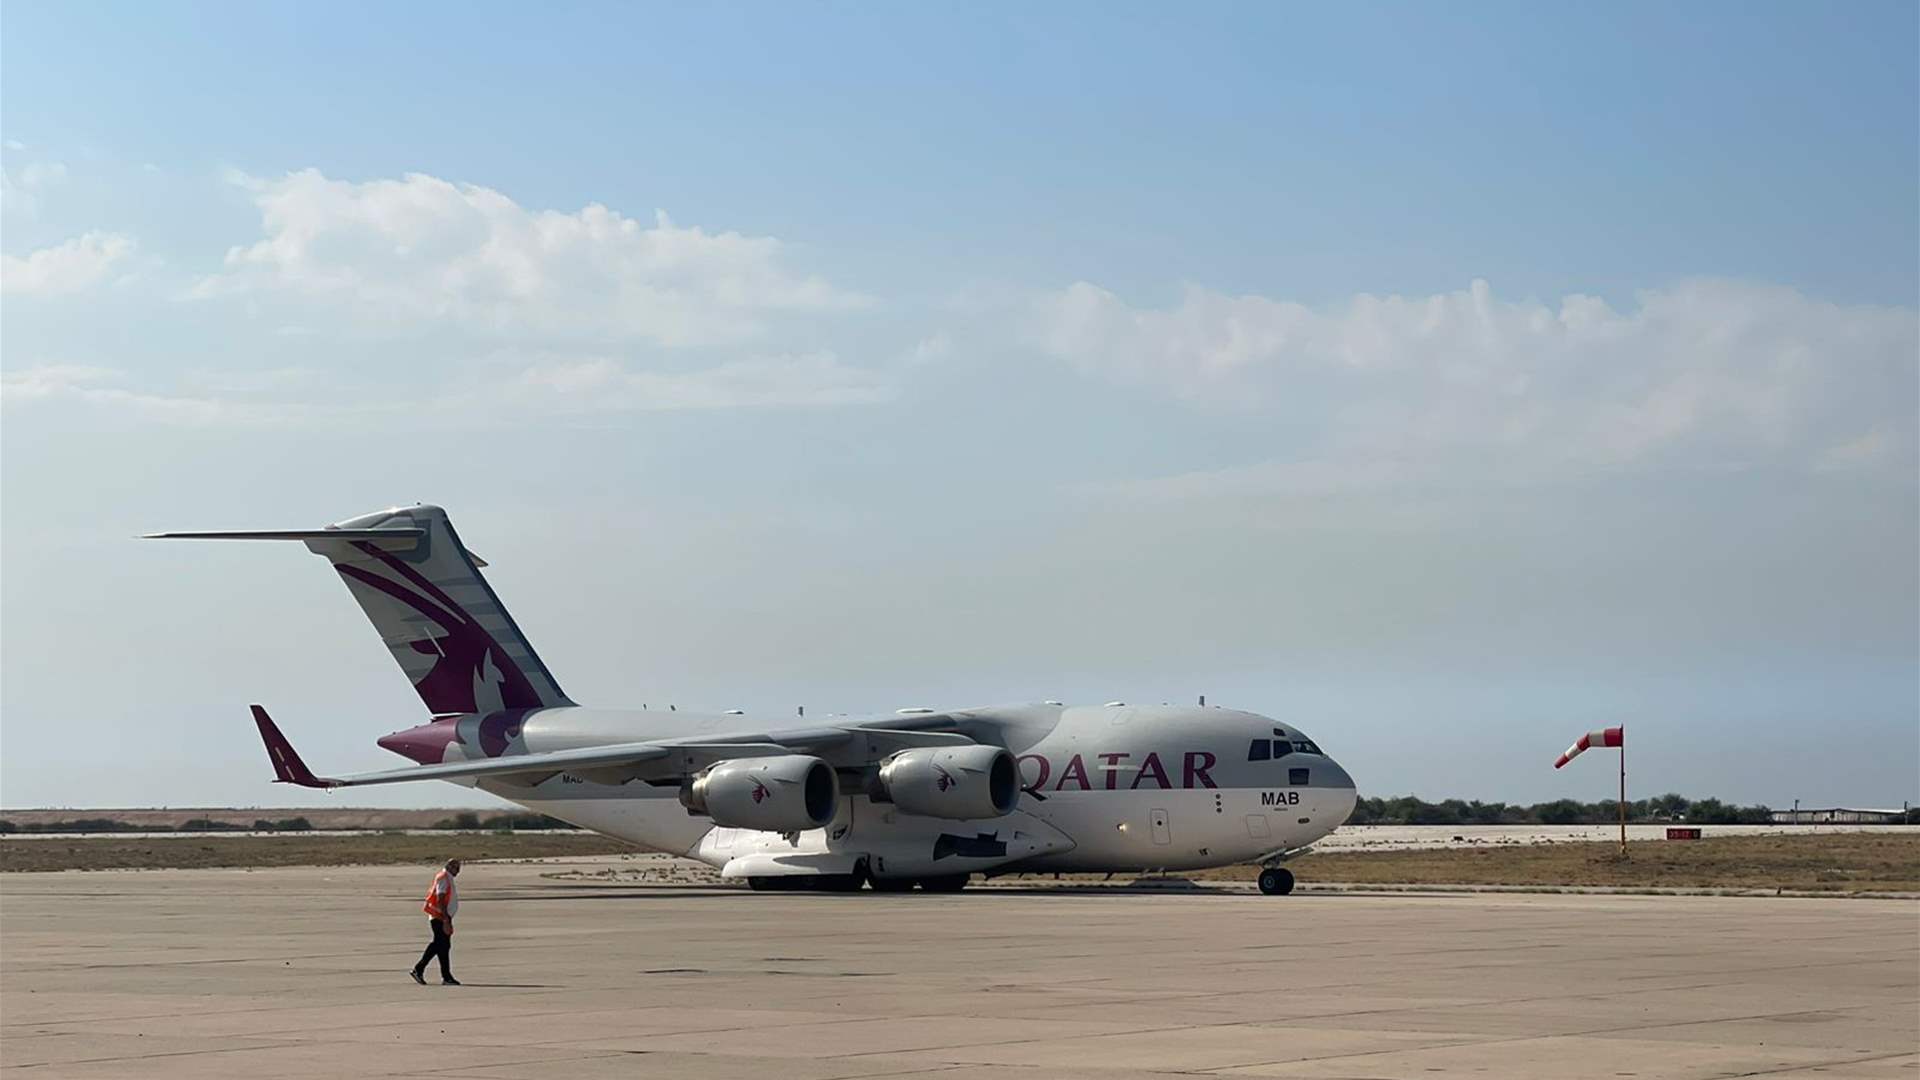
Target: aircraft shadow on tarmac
590, 891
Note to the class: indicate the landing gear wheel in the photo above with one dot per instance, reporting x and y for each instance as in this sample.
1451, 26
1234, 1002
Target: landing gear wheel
891, 884
946, 884
1275, 881
763, 884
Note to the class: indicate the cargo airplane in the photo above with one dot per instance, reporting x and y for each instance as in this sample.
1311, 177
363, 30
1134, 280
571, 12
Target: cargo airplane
920, 797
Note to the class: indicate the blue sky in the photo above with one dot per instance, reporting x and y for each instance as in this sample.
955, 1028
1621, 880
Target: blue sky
1371, 365
1383, 148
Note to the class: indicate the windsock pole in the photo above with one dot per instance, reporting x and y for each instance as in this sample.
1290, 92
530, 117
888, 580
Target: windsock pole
1612, 738
1623, 798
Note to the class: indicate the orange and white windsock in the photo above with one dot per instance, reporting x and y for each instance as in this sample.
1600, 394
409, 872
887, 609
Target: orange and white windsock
1613, 736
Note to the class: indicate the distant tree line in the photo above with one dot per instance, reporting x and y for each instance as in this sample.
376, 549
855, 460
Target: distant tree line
467, 820
112, 825
1408, 810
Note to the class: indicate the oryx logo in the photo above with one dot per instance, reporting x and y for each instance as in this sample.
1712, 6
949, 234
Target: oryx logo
945, 780
470, 672
760, 792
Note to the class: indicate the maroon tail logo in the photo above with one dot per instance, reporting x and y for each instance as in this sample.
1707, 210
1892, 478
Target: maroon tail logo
468, 660
760, 792
945, 780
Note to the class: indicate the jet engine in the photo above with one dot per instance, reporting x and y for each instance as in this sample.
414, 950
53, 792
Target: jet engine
790, 793
954, 782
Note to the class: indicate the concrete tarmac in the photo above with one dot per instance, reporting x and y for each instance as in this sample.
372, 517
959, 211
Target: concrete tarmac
302, 973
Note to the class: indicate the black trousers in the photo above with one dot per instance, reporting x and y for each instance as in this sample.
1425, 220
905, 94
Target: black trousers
442, 947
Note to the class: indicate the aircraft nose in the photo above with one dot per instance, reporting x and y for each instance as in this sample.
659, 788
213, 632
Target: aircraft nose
1341, 791
1335, 776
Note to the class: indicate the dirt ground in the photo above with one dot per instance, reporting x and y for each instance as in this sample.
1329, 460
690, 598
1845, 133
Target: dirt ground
204, 851
323, 818
1838, 862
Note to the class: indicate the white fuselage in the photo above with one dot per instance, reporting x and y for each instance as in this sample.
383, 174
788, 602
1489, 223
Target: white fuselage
1104, 788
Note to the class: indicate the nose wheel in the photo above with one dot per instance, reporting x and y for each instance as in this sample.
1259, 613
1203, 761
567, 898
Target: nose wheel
1276, 881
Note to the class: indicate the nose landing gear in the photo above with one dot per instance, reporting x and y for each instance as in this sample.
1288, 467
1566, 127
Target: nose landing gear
1276, 881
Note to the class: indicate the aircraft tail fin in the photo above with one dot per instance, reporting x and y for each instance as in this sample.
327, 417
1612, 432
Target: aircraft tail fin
423, 591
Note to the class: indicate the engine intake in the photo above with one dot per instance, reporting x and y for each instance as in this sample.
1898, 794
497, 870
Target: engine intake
954, 782
790, 793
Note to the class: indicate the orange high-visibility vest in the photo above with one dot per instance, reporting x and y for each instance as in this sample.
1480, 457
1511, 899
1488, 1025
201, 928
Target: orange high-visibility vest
441, 901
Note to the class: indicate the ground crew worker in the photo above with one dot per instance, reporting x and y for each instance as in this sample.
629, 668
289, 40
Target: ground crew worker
442, 902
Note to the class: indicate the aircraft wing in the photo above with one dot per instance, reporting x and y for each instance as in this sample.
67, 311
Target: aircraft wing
620, 762
289, 769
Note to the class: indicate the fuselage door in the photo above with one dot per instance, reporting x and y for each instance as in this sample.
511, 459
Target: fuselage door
1161, 833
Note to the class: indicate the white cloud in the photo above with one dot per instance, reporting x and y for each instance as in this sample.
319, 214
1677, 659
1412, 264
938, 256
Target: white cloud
1869, 448
421, 250
1707, 374
1309, 477
22, 187
603, 385
546, 388
51, 380
42, 174
106, 387
74, 266
929, 350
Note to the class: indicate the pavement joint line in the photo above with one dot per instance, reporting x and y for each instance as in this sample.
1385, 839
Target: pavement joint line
1809, 967
550, 1059
189, 1012
1055, 1037
1811, 1066
291, 1033
1465, 1039
649, 1035
161, 1054
1502, 1040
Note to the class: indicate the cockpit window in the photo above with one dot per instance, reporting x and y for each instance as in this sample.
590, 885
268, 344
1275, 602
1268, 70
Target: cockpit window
1265, 750
1305, 746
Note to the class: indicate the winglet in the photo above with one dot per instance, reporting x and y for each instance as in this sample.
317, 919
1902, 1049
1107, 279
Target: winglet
287, 766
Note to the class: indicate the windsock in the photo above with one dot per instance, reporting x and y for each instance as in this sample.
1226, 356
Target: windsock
1613, 736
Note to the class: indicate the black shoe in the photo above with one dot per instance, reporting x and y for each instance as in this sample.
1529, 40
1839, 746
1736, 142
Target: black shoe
417, 977
449, 981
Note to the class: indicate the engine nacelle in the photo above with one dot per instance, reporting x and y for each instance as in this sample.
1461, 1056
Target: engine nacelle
954, 782
790, 793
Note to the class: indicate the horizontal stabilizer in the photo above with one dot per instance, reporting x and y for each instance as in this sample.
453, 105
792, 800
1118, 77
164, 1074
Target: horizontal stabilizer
410, 535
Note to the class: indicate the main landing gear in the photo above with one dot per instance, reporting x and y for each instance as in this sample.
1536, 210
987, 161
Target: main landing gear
814, 883
1276, 881
945, 883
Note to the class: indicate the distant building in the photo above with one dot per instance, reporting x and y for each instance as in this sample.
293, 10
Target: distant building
1839, 815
